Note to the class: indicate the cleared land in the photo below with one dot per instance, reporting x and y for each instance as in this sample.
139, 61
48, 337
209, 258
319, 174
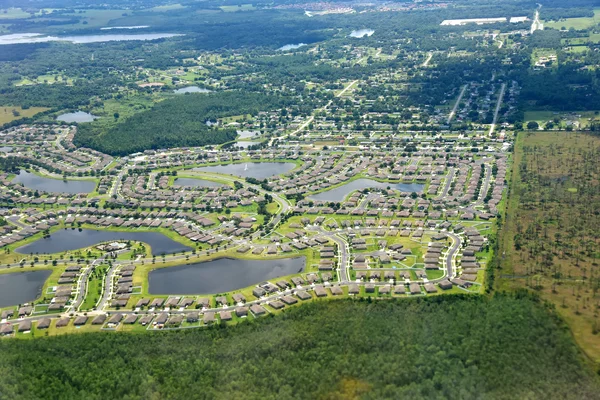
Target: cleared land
449, 347
10, 113
550, 241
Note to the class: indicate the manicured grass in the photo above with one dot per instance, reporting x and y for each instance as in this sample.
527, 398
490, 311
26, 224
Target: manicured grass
94, 288
434, 274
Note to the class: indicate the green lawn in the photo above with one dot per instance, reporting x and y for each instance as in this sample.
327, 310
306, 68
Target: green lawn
94, 288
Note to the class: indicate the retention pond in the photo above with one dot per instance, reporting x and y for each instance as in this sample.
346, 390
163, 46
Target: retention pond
221, 275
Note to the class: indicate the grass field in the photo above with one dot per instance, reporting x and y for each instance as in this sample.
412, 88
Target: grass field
167, 7
241, 7
95, 18
45, 79
576, 23
549, 238
94, 288
13, 13
541, 117
10, 113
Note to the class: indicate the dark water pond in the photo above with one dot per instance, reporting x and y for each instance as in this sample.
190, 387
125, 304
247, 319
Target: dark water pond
78, 116
260, 170
72, 239
340, 193
191, 89
36, 182
21, 287
218, 276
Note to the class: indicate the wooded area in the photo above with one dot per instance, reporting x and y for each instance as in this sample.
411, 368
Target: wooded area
451, 347
177, 122
551, 235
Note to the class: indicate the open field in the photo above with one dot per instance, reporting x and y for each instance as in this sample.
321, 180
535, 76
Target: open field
583, 118
576, 23
241, 7
97, 18
168, 7
550, 238
45, 79
13, 13
10, 113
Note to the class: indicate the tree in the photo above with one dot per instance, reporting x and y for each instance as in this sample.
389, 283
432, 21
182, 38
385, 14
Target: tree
532, 125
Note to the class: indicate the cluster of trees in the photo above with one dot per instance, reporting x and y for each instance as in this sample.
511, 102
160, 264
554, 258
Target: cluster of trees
176, 122
455, 346
11, 164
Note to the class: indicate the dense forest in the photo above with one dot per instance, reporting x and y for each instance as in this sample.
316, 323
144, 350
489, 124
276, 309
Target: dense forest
451, 347
176, 122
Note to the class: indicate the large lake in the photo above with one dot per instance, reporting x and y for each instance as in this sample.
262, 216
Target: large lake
361, 33
192, 182
36, 182
21, 287
72, 239
191, 89
218, 276
19, 38
260, 170
340, 193
78, 116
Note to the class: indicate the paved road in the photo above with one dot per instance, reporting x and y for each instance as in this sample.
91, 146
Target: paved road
448, 183
456, 242
14, 219
344, 252
107, 292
